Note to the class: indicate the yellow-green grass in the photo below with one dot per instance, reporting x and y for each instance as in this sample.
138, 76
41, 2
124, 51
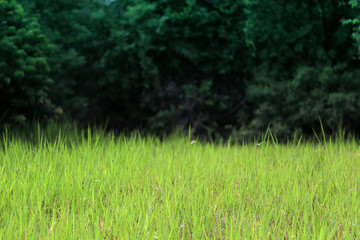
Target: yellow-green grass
106, 187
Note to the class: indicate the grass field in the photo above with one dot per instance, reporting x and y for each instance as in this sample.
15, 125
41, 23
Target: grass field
106, 187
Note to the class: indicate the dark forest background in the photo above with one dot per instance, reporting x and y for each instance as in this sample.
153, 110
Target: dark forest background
227, 68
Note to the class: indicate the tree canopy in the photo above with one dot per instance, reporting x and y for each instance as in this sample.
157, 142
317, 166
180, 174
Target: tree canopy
230, 67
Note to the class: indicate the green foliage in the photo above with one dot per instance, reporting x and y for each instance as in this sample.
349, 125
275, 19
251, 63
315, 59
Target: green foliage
295, 105
161, 65
177, 63
79, 32
304, 67
289, 34
24, 70
356, 24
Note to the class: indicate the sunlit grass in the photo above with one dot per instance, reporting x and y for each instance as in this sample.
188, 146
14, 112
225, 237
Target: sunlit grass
91, 185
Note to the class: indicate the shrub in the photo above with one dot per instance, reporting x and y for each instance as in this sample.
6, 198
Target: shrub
297, 104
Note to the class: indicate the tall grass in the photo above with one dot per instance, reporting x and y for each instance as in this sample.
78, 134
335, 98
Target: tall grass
92, 185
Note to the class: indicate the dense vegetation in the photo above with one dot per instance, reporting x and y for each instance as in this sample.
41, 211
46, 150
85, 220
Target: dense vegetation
104, 187
229, 67
24, 70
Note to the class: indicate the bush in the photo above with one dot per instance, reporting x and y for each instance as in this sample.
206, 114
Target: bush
295, 106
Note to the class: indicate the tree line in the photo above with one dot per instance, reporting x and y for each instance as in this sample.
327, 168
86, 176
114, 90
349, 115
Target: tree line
227, 68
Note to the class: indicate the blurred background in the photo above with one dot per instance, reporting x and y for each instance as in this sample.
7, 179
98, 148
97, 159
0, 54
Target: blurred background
226, 68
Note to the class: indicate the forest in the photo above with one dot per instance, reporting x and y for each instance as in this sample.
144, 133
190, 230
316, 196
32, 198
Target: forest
226, 68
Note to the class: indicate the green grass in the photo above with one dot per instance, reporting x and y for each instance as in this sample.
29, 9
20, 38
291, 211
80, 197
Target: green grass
103, 187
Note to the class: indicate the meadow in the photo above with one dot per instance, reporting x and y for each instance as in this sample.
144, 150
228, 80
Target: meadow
95, 185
